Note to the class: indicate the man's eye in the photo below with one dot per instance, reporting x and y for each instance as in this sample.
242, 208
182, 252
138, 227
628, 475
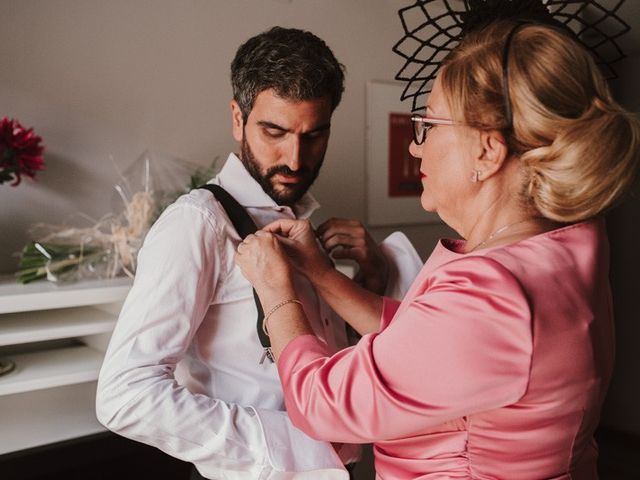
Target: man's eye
274, 132
314, 135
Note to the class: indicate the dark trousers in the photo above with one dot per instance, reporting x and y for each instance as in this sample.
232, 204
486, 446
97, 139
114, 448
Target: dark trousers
195, 474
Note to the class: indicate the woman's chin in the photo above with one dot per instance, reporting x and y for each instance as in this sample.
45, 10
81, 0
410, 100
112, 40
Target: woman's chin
427, 205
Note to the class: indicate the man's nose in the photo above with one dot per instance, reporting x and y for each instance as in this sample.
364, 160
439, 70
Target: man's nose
293, 153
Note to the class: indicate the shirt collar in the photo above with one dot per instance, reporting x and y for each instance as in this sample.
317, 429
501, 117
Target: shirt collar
236, 180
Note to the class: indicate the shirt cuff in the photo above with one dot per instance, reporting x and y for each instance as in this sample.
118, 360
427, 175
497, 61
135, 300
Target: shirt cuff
292, 454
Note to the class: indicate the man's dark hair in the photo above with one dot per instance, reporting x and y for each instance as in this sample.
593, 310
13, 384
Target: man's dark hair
295, 63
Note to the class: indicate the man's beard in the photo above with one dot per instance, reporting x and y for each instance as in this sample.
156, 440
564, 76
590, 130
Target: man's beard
290, 193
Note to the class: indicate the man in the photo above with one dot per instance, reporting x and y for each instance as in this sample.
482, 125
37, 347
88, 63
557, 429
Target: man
183, 371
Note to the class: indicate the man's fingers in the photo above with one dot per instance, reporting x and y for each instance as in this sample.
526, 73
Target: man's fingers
341, 240
341, 253
336, 225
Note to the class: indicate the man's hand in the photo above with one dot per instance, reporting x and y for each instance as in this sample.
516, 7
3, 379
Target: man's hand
343, 238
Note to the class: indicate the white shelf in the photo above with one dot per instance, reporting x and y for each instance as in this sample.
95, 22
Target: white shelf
32, 419
18, 328
44, 295
51, 368
50, 395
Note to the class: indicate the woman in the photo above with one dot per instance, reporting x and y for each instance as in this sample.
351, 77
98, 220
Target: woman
497, 361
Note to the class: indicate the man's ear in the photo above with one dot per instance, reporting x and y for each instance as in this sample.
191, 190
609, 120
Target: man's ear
237, 121
492, 153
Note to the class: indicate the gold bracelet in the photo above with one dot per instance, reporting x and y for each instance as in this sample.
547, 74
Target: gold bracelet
281, 304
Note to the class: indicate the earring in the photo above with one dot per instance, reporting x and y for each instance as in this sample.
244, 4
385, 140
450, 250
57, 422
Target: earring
475, 176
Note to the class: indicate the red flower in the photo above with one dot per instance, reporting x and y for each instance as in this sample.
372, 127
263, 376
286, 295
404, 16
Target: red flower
20, 152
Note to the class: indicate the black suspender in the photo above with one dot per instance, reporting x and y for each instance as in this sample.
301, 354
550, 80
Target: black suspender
244, 225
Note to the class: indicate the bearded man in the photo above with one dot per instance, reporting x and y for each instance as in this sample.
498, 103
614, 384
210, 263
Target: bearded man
184, 370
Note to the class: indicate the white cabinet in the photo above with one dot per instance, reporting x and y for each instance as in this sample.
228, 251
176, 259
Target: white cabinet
56, 335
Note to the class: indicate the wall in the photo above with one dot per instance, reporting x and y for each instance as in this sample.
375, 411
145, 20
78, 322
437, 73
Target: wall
107, 80
621, 408
101, 82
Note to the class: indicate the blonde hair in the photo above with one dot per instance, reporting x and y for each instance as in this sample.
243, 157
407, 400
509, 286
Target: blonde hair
579, 150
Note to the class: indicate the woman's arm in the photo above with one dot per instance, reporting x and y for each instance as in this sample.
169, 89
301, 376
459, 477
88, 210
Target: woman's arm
263, 262
461, 346
359, 307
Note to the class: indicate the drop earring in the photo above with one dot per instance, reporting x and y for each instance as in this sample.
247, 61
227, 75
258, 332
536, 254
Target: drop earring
475, 176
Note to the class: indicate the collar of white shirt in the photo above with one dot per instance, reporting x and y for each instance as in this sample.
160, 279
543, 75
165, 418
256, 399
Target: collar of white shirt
236, 180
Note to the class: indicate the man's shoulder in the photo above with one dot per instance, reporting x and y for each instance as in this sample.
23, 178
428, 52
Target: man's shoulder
197, 199
199, 202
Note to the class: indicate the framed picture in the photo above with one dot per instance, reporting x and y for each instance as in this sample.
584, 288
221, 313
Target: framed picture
393, 175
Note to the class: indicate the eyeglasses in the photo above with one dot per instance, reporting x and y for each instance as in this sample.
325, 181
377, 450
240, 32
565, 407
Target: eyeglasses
421, 126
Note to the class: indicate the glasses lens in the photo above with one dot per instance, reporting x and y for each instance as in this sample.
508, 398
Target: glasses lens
419, 129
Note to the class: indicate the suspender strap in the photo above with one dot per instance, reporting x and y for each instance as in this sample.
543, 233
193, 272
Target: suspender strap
244, 225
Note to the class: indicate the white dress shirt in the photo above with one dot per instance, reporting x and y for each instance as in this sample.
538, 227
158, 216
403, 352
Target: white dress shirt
182, 370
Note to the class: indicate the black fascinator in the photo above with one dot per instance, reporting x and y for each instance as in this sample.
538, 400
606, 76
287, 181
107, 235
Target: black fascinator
432, 28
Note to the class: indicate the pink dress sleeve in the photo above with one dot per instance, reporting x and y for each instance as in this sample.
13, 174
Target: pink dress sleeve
389, 309
460, 343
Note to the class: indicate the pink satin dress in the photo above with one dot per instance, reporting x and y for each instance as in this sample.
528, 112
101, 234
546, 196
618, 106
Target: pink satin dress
494, 366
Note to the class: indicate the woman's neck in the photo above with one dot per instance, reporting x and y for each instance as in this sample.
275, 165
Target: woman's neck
509, 231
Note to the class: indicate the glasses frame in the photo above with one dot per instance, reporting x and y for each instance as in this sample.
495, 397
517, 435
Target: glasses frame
421, 126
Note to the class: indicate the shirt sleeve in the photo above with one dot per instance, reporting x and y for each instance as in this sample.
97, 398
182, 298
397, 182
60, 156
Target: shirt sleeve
462, 345
138, 396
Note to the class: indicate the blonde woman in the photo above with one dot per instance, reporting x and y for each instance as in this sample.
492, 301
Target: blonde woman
497, 361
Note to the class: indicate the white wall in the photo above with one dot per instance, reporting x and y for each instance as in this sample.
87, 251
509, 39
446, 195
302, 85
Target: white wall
100, 79
110, 79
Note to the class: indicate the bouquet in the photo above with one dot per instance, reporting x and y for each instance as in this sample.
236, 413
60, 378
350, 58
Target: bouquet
108, 247
20, 152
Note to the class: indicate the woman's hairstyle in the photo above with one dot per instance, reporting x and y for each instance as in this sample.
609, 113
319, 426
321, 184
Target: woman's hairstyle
579, 150
295, 63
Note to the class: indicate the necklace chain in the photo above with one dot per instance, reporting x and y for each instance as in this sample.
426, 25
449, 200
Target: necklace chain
498, 232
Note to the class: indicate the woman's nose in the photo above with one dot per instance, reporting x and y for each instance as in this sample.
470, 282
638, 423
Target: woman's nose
415, 150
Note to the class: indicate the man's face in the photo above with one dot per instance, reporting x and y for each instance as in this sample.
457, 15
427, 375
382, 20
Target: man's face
283, 143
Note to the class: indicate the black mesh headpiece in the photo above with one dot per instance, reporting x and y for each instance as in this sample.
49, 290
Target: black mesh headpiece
434, 27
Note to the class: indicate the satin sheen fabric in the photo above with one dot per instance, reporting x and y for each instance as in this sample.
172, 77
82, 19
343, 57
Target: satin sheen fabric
494, 365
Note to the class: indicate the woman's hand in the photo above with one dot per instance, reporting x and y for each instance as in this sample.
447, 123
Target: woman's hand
263, 262
301, 246
361, 308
